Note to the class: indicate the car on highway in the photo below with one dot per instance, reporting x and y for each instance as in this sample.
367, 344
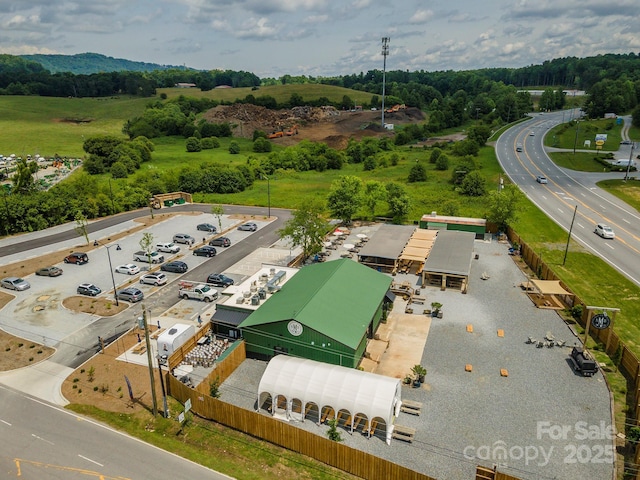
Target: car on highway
175, 267
206, 251
248, 227
15, 283
532, 133
130, 294
183, 238
220, 242
78, 258
625, 142
207, 227
89, 289
605, 231
128, 268
219, 280
50, 271
154, 278
541, 179
167, 247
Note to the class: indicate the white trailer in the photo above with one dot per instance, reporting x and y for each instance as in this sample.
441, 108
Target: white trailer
173, 338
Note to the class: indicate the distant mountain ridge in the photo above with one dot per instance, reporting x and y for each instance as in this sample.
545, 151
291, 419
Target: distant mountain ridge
88, 63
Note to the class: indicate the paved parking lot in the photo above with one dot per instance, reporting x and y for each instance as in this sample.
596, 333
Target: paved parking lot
481, 417
37, 314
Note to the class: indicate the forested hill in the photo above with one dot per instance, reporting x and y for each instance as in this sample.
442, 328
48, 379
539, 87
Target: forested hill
88, 63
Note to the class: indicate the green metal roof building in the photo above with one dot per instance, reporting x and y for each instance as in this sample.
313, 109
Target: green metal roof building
326, 312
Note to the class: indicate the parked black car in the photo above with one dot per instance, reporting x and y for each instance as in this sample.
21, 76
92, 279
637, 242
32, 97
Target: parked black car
207, 227
219, 280
205, 251
220, 242
175, 267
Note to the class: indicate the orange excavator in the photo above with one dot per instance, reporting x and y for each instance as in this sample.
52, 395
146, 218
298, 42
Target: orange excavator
291, 131
276, 134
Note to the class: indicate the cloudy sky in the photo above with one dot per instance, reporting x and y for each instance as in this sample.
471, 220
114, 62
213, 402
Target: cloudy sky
322, 37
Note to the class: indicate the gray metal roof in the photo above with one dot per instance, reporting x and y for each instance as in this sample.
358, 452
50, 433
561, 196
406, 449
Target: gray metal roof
387, 242
451, 253
230, 317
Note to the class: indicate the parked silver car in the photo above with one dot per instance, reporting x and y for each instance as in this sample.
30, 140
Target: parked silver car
15, 283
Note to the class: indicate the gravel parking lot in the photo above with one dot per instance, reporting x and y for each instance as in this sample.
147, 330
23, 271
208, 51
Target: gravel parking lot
541, 421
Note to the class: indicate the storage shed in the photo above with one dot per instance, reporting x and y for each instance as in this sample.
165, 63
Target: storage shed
294, 387
464, 224
326, 312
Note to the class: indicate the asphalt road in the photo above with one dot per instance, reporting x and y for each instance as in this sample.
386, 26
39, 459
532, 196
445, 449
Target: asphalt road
568, 189
38, 440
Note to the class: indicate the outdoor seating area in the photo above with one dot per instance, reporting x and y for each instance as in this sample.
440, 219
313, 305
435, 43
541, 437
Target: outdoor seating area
206, 353
343, 242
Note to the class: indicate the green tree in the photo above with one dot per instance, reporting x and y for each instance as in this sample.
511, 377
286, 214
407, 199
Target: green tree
503, 206
218, 212
23, 177
369, 163
333, 432
435, 155
473, 185
442, 163
193, 144
261, 145
234, 147
398, 200
345, 197
146, 244
417, 173
307, 227
81, 225
119, 170
374, 193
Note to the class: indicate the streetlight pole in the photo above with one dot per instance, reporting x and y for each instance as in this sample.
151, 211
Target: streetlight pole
575, 141
113, 280
266, 177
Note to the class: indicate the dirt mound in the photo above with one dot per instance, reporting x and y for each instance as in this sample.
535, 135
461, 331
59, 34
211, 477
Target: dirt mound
318, 124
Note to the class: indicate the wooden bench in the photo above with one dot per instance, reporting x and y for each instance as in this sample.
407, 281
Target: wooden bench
327, 415
411, 407
403, 433
140, 349
371, 429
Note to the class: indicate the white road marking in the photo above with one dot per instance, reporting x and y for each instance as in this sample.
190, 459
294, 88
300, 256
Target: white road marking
560, 210
89, 460
626, 221
580, 225
6, 423
40, 438
611, 247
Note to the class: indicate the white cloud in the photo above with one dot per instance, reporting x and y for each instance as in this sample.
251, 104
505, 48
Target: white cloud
421, 17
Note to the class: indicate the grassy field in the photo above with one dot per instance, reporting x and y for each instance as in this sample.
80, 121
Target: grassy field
567, 136
581, 161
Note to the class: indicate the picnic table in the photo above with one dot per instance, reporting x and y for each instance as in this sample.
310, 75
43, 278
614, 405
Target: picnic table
409, 406
401, 432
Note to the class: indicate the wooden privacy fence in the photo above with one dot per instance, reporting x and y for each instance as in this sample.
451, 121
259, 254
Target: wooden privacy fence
356, 462
351, 460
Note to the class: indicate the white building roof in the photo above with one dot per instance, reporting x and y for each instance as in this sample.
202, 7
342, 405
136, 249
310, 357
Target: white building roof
341, 388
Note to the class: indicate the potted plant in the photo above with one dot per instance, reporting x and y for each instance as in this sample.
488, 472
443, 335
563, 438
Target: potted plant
436, 309
419, 371
407, 380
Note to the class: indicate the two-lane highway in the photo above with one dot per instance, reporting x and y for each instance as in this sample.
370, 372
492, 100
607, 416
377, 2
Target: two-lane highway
567, 189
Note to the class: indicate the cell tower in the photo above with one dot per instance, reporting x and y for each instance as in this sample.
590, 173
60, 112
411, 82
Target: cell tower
385, 52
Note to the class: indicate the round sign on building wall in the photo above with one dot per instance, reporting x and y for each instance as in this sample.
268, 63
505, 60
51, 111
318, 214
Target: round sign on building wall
295, 328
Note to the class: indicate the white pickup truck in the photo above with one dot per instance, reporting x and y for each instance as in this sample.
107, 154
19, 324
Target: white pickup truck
197, 291
167, 247
148, 257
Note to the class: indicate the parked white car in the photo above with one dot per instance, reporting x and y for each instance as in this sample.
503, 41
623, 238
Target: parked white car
129, 269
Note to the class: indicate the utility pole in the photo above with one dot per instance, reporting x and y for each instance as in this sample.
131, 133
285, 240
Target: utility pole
385, 52
626, 175
566, 250
150, 360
